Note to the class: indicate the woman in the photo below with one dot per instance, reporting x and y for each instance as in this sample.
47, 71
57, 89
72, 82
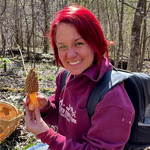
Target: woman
79, 46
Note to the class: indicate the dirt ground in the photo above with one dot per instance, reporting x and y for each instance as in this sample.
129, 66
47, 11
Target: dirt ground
12, 91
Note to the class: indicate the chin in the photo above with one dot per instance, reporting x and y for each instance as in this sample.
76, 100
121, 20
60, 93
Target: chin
75, 72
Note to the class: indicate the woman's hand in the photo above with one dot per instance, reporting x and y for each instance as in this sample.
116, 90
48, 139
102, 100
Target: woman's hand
43, 101
35, 124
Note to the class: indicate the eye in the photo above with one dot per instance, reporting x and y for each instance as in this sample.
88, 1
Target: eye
78, 43
62, 47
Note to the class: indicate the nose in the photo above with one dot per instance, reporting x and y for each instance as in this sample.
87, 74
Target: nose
71, 53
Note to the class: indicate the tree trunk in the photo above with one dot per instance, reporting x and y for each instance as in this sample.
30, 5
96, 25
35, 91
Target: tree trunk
16, 24
33, 27
120, 48
21, 33
144, 38
2, 35
135, 37
28, 35
3, 43
46, 42
110, 24
98, 13
120, 32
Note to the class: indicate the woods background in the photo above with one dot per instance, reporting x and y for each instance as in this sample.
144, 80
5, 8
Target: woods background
23, 24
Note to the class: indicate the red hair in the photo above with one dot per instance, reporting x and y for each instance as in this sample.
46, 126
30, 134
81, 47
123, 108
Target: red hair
87, 26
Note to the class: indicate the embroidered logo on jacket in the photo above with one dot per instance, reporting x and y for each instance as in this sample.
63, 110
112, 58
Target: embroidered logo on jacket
67, 112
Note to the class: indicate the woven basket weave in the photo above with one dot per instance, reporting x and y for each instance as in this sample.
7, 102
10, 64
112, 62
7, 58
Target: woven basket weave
10, 118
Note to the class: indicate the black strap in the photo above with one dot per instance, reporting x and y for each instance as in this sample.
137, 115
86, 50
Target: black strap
107, 82
64, 78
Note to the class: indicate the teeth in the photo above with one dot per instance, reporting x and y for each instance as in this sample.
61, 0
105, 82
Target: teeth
74, 63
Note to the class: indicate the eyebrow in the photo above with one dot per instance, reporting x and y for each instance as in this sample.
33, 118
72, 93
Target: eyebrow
74, 40
78, 39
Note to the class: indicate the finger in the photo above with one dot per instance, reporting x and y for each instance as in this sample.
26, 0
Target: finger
33, 115
37, 114
26, 100
28, 115
38, 94
41, 95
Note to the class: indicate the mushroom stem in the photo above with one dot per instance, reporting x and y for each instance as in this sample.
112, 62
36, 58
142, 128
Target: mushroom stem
33, 101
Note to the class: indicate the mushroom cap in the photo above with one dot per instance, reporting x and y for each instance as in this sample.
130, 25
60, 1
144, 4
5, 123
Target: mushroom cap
32, 82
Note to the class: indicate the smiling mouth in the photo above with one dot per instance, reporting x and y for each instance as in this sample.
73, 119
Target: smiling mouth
74, 63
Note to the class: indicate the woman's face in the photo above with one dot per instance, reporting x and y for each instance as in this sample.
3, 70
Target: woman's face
74, 53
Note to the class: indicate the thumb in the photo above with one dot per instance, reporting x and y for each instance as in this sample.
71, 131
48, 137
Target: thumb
28, 116
37, 114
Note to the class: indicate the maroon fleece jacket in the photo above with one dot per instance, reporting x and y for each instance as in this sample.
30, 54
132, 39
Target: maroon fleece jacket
109, 127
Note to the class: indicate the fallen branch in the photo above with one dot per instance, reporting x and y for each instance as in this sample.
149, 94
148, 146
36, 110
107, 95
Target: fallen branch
11, 76
5, 89
22, 60
4, 97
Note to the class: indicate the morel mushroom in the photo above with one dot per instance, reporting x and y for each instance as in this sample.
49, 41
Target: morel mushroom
32, 87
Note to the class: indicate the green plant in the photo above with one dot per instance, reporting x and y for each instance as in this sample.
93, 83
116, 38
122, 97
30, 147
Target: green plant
48, 91
40, 68
53, 67
41, 78
24, 74
145, 69
50, 77
29, 145
4, 62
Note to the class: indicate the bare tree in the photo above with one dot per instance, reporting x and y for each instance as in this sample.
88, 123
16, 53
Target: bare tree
46, 42
28, 36
21, 32
2, 34
1, 28
33, 28
110, 21
4, 8
98, 16
16, 27
120, 37
135, 36
144, 37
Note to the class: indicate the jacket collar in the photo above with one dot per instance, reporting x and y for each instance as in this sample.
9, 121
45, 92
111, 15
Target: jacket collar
95, 73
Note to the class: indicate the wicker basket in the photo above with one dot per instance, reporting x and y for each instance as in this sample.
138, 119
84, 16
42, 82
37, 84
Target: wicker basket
10, 118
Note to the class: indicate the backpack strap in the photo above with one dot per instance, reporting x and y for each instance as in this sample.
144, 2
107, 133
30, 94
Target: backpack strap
64, 78
107, 82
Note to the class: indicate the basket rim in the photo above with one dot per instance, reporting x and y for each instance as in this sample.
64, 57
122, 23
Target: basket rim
19, 113
1, 101
13, 118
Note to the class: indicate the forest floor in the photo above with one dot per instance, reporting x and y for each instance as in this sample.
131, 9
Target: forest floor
12, 90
